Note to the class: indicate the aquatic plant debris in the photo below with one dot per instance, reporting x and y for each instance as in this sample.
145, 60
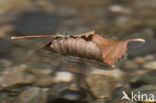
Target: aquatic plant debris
89, 45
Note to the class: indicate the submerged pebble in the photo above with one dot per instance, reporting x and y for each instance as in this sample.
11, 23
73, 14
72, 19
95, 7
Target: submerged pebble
56, 90
44, 80
63, 76
71, 95
140, 60
33, 95
130, 65
150, 65
101, 86
40, 69
15, 76
5, 63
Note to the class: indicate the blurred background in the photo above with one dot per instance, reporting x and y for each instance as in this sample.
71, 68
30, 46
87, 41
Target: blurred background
30, 74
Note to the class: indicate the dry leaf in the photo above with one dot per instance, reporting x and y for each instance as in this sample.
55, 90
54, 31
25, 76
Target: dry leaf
92, 46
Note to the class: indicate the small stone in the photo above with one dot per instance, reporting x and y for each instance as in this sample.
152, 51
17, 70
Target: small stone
40, 69
140, 60
101, 86
45, 90
44, 80
130, 64
119, 76
103, 83
33, 95
150, 57
137, 74
66, 91
5, 63
15, 76
119, 9
71, 95
63, 76
150, 65
56, 90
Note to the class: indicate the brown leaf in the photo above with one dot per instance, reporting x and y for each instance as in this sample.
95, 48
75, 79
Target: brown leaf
92, 46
